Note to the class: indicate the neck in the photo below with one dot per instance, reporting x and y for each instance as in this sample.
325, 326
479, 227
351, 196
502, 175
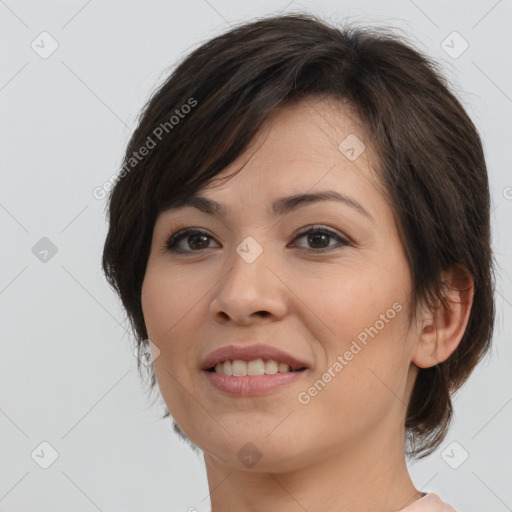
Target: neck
371, 475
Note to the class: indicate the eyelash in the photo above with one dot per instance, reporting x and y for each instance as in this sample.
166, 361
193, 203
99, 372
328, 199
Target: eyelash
184, 233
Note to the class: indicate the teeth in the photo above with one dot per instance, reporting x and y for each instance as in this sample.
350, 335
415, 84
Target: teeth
257, 367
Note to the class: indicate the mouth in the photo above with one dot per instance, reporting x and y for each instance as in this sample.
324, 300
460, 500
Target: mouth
252, 378
251, 360
255, 367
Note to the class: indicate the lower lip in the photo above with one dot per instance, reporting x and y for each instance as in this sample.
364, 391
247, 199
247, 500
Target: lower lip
251, 385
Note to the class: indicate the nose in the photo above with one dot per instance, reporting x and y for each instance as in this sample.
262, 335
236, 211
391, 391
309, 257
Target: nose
250, 291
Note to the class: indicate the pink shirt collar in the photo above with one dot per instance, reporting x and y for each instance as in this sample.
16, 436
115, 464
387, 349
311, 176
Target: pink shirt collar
430, 502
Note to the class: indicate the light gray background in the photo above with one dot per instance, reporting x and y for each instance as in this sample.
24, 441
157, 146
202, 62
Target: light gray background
68, 376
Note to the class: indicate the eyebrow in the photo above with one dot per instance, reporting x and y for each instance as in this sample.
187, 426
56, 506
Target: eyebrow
281, 206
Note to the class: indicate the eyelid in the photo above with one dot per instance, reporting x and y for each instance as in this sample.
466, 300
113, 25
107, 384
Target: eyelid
183, 231
180, 232
319, 227
331, 232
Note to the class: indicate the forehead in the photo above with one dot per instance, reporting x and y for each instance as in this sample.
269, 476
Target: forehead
307, 145
302, 150
297, 152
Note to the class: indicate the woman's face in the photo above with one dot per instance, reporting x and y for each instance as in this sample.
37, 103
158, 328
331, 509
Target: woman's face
255, 276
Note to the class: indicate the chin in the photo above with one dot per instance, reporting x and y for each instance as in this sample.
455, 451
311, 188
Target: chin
257, 452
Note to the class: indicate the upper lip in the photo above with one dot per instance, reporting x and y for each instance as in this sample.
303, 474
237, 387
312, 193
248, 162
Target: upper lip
249, 353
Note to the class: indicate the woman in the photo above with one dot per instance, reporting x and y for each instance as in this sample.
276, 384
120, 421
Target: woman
300, 235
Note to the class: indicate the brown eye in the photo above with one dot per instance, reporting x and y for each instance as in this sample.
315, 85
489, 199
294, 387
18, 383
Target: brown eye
318, 239
195, 239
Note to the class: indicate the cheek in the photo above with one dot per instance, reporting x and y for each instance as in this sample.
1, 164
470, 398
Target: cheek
346, 299
166, 298
174, 304
170, 308
362, 319
155, 301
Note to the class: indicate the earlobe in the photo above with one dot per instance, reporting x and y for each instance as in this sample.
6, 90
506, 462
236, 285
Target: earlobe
442, 329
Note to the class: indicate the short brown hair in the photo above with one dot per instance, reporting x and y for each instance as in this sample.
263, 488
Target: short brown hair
430, 159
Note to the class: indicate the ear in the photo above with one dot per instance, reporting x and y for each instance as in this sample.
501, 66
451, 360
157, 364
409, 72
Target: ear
441, 330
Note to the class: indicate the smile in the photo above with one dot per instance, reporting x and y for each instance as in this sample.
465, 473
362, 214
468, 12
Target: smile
251, 385
255, 367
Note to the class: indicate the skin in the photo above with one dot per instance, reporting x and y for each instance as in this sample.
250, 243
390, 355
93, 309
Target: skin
344, 449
